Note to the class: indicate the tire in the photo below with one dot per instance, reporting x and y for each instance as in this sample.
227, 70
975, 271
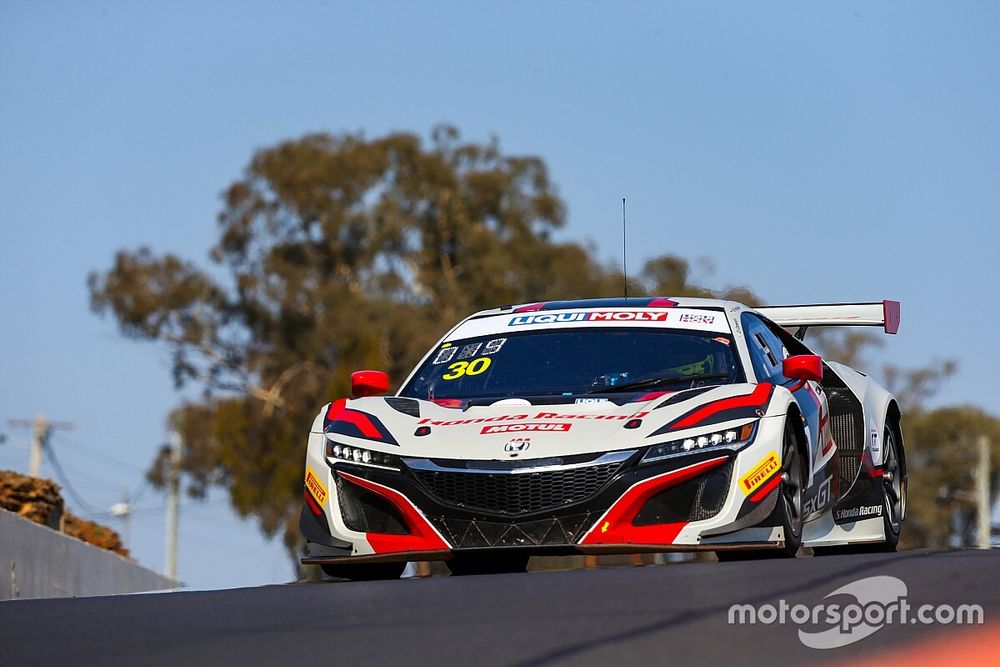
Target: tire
470, 564
789, 504
893, 489
893, 499
365, 571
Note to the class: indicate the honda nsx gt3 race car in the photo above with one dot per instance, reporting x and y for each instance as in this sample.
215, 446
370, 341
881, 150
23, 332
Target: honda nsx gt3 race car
609, 426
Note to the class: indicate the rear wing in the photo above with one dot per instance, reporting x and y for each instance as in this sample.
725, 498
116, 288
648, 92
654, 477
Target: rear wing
883, 314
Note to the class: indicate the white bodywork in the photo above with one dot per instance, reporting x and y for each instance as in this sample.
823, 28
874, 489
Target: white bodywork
480, 433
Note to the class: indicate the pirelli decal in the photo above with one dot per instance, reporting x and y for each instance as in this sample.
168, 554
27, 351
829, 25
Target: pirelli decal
760, 473
316, 488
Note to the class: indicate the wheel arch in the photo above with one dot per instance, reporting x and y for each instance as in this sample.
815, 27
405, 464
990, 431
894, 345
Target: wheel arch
893, 420
793, 416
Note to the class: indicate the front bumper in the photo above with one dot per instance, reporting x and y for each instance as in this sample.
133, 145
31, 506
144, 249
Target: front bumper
688, 503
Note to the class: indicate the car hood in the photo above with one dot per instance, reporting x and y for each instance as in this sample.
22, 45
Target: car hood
519, 428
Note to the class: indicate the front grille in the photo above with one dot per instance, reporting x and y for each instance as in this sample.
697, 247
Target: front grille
515, 494
479, 533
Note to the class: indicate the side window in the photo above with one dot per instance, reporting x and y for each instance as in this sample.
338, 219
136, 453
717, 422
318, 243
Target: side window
766, 350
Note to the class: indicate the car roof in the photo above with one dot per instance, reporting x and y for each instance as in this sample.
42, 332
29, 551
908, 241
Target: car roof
616, 302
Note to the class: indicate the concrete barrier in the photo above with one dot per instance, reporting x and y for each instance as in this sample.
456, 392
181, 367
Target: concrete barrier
38, 562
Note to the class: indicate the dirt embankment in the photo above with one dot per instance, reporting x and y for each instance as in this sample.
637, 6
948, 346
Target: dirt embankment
39, 500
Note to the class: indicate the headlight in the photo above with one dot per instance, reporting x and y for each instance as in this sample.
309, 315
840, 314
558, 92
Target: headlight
352, 454
733, 437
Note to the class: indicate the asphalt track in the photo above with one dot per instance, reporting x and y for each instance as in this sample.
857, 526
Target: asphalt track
672, 614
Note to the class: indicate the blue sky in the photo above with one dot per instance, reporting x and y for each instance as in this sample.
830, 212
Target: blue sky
816, 152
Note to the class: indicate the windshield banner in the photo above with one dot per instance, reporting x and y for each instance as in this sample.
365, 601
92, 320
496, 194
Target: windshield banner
670, 318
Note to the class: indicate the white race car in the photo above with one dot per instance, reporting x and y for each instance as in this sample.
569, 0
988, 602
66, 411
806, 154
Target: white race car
609, 426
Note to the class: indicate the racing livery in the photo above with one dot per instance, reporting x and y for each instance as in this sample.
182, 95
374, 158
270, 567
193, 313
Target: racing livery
609, 426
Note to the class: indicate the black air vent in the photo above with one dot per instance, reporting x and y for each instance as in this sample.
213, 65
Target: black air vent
407, 406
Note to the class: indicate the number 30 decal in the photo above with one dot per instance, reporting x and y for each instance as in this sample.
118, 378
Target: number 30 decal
461, 368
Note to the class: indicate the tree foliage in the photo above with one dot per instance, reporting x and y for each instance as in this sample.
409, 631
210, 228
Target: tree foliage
337, 253
941, 456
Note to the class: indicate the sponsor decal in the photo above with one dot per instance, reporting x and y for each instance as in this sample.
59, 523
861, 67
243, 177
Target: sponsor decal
511, 428
449, 352
316, 488
760, 473
821, 499
848, 514
590, 316
876, 446
517, 445
592, 400
697, 318
525, 417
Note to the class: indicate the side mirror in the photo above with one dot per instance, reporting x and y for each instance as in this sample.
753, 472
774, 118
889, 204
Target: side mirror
369, 383
803, 367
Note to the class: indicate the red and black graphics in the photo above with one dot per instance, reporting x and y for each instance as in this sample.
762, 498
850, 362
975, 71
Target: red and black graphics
618, 524
683, 395
747, 406
419, 535
816, 412
313, 522
346, 421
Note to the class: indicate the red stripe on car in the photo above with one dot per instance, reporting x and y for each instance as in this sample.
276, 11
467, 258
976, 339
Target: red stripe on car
355, 418
615, 527
766, 489
757, 398
422, 535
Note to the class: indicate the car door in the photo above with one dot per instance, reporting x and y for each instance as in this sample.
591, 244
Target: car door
767, 352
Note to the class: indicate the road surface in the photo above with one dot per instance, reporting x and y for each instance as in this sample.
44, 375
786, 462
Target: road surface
673, 614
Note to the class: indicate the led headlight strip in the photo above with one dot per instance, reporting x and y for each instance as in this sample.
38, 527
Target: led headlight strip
733, 437
351, 454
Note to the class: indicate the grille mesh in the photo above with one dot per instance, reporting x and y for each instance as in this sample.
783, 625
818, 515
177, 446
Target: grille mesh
521, 493
848, 432
693, 500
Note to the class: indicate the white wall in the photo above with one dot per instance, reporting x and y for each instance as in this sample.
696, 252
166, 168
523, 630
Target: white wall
38, 562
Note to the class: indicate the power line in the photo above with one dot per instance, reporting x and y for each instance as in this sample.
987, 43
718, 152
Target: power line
102, 455
64, 480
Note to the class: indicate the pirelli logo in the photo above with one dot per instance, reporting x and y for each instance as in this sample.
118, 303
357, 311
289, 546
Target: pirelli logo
316, 488
760, 473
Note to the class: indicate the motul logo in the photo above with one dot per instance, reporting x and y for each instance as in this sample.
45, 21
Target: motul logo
511, 428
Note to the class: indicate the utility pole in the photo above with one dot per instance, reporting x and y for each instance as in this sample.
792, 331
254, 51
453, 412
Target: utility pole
173, 503
984, 512
41, 431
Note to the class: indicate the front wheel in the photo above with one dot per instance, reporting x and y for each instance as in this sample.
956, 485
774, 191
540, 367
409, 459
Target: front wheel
789, 504
365, 571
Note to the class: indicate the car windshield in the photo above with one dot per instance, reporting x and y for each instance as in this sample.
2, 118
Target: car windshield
574, 361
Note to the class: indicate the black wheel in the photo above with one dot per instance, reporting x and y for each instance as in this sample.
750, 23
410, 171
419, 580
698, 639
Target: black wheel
789, 504
365, 571
893, 499
893, 490
466, 564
